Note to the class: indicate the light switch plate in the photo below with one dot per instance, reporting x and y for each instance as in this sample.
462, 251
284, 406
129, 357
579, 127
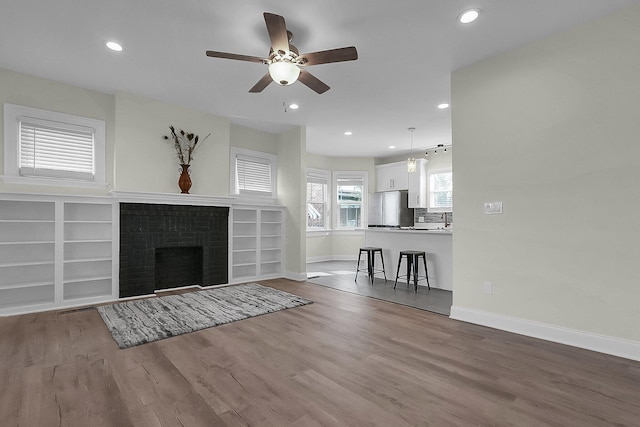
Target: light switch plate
492, 208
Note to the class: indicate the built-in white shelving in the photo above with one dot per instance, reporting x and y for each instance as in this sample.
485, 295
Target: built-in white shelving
55, 252
256, 244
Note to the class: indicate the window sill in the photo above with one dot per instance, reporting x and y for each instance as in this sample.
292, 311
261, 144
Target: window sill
24, 180
336, 232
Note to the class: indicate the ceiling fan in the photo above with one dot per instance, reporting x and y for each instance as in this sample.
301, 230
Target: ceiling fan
286, 64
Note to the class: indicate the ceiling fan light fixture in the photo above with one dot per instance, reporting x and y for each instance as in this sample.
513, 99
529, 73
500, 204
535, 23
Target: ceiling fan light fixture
284, 72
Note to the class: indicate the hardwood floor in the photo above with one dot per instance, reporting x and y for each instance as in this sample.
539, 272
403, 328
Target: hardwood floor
346, 360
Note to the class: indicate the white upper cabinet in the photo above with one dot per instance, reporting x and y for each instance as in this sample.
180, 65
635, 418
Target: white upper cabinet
418, 196
392, 177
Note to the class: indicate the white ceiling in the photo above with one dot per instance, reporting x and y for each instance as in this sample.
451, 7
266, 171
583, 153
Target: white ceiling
407, 50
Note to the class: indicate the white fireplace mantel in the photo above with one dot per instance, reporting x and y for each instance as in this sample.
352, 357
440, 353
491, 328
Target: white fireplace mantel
172, 198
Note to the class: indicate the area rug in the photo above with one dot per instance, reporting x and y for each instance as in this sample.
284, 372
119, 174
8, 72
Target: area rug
137, 322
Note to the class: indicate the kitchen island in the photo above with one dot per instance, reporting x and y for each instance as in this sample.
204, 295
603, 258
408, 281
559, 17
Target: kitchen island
436, 244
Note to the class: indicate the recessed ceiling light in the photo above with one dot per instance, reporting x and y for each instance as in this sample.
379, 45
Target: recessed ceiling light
114, 46
294, 106
391, 147
443, 106
348, 133
468, 16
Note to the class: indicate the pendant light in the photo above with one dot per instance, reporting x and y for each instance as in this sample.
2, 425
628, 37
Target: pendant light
411, 161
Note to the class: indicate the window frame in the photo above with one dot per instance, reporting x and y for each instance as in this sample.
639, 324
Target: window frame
364, 176
326, 175
438, 209
269, 158
12, 117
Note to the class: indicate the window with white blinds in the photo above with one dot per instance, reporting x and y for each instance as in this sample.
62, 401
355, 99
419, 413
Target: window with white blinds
253, 173
56, 150
50, 148
351, 188
317, 199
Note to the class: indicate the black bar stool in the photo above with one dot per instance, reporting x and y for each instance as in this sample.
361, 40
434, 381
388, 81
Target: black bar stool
371, 263
413, 258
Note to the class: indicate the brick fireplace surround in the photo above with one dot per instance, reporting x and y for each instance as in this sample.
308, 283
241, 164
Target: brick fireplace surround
176, 234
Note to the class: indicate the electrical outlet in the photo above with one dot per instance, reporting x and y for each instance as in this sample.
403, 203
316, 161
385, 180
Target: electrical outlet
487, 288
420, 219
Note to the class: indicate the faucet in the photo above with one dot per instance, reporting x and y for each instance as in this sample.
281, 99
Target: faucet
446, 219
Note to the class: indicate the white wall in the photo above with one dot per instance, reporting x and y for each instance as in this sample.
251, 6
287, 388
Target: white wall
29, 91
252, 139
292, 146
551, 130
146, 162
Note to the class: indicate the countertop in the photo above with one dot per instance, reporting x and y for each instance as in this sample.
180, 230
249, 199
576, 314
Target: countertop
410, 230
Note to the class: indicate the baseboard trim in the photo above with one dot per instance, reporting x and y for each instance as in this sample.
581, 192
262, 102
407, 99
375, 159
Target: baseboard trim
298, 277
318, 259
600, 343
331, 258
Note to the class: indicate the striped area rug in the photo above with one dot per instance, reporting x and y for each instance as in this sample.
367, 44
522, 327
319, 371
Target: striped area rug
137, 322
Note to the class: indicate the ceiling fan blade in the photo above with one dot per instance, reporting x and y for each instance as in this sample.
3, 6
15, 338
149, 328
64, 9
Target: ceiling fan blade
277, 32
262, 83
226, 55
326, 56
312, 82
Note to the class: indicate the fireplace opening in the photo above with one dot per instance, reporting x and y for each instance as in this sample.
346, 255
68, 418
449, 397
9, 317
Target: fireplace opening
178, 266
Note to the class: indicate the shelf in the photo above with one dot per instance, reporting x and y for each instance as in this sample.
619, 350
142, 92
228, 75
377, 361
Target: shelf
272, 222
253, 236
25, 263
25, 285
271, 262
271, 249
245, 264
89, 241
244, 250
34, 242
244, 222
79, 260
271, 235
29, 221
87, 279
88, 222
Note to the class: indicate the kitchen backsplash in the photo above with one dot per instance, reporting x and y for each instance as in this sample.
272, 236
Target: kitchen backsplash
430, 216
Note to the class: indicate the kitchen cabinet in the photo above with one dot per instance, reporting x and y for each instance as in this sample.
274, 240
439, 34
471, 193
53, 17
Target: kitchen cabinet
418, 185
392, 177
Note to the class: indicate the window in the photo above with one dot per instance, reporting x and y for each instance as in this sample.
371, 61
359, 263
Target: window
351, 189
45, 147
440, 191
253, 173
317, 200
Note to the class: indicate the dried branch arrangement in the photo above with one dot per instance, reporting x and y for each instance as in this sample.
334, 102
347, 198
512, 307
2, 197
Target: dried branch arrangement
185, 144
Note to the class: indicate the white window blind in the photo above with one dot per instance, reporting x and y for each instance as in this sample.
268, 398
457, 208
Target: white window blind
53, 149
253, 175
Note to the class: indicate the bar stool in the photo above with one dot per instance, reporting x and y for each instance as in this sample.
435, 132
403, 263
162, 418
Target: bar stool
371, 263
413, 258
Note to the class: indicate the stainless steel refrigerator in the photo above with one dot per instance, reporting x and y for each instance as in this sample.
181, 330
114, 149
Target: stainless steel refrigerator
390, 209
